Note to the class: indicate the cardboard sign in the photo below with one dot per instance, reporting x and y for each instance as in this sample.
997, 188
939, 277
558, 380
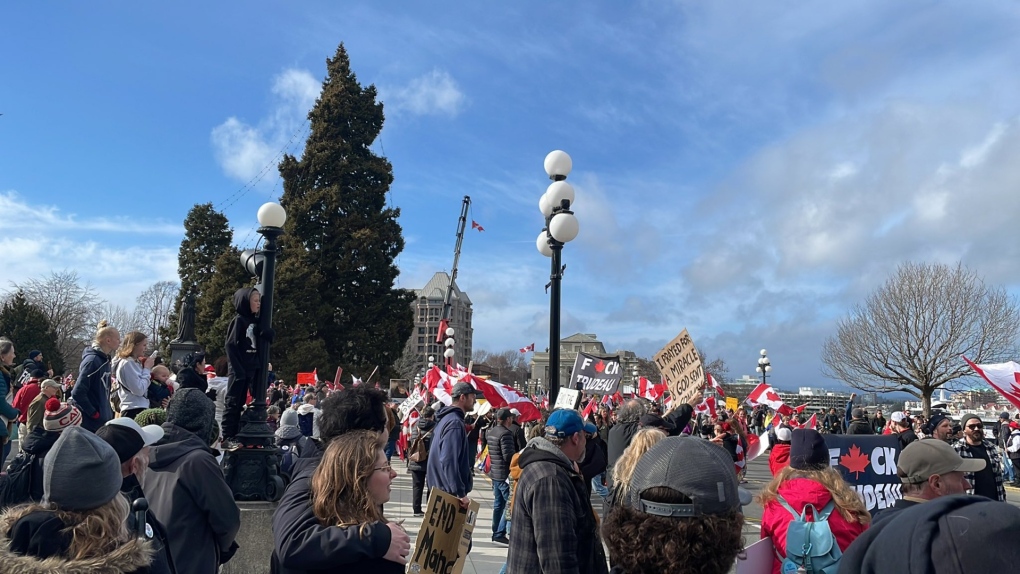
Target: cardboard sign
409, 404
757, 558
598, 375
442, 543
567, 399
680, 363
868, 464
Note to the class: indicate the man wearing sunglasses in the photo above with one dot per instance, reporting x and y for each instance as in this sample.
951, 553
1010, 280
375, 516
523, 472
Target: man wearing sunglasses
987, 482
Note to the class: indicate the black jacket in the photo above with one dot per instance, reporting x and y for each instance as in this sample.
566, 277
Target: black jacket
859, 426
422, 428
242, 337
594, 461
161, 563
622, 433
36, 445
189, 378
302, 545
91, 391
28, 537
189, 496
906, 437
520, 439
501, 449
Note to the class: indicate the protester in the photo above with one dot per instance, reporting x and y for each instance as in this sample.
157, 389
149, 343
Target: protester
832, 422
187, 491
23, 399
40, 440
451, 455
394, 436
76, 529
938, 427
593, 466
37, 408
877, 422
91, 392
241, 345
779, 456
34, 366
628, 422
350, 487
500, 441
520, 441
809, 480
293, 444
857, 421
643, 440
682, 514
1004, 430
930, 469
132, 371
191, 373
725, 438
301, 542
423, 431
988, 482
160, 388
131, 442
654, 421
6, 395
554, 526
308, 415
956, 534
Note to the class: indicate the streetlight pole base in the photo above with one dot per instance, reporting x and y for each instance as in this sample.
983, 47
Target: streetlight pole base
253, 470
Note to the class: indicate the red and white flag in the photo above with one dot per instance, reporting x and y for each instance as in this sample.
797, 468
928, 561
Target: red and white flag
707, 405
336, 379
500, 396
590, 408
475, 225
1004, 377
715, 385
812, 423
800, 409
765, 395
530, 347
649, 390
439, 384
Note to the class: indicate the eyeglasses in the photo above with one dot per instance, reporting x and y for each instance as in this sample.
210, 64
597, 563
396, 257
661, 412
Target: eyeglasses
386, 468
975, 427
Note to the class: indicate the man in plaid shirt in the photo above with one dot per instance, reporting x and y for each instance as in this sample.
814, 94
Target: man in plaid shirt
987, 482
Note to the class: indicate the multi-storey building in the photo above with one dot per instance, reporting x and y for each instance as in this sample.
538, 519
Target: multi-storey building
428, 309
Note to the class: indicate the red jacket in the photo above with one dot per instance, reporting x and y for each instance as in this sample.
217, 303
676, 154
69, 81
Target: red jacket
26, 394
798, 492
779, 458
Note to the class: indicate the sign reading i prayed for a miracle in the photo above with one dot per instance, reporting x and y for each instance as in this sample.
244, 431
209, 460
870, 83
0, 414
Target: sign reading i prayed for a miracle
597, 375
680, 363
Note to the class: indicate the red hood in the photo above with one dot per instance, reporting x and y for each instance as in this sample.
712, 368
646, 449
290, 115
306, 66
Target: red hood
800, 491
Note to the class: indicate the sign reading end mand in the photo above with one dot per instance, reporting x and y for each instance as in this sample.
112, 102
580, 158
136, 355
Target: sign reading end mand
444, 537
680, 364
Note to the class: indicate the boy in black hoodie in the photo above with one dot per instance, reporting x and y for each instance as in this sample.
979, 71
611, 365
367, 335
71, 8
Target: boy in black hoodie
243, 335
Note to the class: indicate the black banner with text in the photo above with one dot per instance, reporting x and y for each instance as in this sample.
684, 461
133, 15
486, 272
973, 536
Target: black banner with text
596, 375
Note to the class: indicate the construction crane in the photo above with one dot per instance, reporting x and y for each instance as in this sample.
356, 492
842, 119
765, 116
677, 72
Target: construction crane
444, 317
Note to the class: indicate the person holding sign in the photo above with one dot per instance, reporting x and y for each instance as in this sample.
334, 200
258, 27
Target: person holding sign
349, 488
810, 481
554, 525
451, 453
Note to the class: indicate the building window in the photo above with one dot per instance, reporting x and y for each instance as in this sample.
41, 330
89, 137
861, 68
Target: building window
421, 330
421, 340
421, 348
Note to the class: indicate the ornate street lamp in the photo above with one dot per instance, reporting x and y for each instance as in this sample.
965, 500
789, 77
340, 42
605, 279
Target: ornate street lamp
252, 471
561, 227
764, 366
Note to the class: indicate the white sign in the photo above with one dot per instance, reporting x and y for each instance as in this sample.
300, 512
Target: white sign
409, 404
567, 398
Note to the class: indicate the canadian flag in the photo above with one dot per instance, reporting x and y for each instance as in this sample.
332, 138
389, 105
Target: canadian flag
649, 390
439, 384
715, 385
765, 395
500, 396
800, 409
590, 408
530, 347
706, 406
1004, 377
812, 423
475, 225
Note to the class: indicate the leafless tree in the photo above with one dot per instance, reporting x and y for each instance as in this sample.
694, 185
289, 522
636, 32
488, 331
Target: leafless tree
70, 306
154, 307
909, 334
123, 319
510, 365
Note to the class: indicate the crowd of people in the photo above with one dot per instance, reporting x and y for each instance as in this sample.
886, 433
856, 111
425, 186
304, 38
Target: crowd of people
668, 480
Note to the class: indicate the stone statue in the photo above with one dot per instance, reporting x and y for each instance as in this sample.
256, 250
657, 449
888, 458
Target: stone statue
186, 324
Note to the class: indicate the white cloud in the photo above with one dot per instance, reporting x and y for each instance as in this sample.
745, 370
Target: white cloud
433, 94
20, 215
246, 151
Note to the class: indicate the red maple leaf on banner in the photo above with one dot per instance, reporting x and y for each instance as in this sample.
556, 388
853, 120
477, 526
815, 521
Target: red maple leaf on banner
600, 366
854, 461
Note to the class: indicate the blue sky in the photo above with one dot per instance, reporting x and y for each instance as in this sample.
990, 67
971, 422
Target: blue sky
745, 170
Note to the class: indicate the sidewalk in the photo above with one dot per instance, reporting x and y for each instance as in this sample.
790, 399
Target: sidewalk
486, 557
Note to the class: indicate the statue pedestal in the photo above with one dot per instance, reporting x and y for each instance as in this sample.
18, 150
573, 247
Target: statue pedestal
255, 539
180, 349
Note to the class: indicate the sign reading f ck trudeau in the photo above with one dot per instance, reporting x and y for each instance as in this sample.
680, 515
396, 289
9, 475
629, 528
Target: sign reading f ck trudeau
597, 375
680, 363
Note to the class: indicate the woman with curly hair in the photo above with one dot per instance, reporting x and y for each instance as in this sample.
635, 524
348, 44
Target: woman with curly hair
643, 440
810, 480
682, 513
349, 488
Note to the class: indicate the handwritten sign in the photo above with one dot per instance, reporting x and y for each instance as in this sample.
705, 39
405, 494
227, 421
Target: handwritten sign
409, 404
442, 542
598, 375
567, 398
680, 363
732, 403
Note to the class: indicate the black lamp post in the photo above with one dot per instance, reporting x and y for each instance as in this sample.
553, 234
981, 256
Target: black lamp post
764, 366
252, 471
561, 227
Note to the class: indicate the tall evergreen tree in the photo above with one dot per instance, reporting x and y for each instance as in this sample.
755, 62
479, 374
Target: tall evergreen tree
207, 236
337, 267
27, 325
215, 308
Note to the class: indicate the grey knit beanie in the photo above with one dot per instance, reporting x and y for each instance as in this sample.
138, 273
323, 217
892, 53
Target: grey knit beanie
81, 471
191, 410
289, 418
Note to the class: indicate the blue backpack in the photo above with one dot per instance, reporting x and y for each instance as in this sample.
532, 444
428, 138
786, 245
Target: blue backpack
811, 547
